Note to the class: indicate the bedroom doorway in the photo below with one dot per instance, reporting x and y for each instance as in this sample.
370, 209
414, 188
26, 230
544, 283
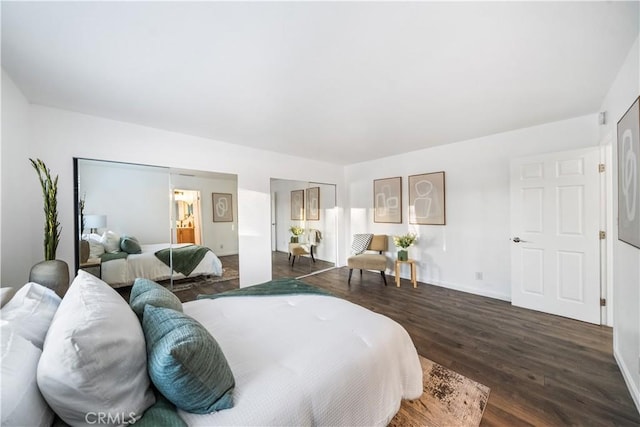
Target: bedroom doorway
555, 237
188, 216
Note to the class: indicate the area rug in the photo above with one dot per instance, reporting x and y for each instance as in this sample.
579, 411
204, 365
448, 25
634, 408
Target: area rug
228, 273
448, 399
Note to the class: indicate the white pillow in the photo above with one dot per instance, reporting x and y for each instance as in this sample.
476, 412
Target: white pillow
21, 403
30, 312
5, 295
111, 242
92, 237
360, 243
96, 249
94, 358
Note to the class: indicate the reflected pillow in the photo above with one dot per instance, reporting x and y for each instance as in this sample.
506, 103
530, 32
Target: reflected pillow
96, 249
111, 242
186, 364
130, 245
145, 291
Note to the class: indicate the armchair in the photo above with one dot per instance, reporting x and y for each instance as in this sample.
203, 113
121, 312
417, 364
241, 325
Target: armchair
369, 261
311, 239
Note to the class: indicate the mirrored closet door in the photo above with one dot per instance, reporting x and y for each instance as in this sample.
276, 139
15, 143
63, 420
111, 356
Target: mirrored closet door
303, 227
154, 222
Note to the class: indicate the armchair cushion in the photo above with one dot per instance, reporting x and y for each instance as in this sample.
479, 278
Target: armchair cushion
368, 262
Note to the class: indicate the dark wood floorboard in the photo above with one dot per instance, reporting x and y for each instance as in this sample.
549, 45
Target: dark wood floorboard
543, 370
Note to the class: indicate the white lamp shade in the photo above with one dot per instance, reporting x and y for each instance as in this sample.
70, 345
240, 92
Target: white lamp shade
95, 221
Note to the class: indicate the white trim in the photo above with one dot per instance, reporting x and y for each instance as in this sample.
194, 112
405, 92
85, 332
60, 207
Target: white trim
316, 272
607, 219
628, 379
469, 290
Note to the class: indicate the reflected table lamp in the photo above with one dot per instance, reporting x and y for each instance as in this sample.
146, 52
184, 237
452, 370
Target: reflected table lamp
93, 222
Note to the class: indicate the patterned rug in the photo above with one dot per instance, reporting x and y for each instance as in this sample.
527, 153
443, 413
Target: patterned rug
228, 273
449, 399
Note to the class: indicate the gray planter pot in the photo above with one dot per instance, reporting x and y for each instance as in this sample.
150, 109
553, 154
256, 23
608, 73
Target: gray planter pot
53, 274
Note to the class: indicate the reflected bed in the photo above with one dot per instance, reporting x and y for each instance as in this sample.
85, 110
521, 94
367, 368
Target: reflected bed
122, 271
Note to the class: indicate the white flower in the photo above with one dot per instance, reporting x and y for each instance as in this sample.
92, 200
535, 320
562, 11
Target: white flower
405, 240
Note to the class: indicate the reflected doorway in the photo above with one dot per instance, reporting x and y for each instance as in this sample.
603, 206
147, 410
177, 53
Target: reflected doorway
188, 216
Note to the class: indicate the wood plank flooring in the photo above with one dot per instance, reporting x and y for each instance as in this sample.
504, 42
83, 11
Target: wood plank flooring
543, 370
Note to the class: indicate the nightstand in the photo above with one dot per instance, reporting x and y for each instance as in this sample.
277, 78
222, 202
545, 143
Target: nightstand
93, 265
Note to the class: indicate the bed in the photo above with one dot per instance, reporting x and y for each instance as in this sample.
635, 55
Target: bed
123, 269
313, 360
298, 357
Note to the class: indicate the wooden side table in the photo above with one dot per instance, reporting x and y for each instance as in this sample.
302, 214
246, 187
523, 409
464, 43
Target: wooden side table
412, 263
90, 264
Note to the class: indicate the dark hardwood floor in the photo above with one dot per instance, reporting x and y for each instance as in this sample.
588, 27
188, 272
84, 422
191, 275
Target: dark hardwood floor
543, 370
281, 265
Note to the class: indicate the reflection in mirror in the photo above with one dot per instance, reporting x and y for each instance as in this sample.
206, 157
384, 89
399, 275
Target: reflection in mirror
308, 209
188, 253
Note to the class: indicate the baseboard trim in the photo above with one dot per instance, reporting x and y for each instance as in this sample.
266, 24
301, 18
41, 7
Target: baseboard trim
475, 291
633, 390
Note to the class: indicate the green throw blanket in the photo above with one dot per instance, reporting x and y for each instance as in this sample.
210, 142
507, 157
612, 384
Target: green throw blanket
285, 286
185, 258
111, 256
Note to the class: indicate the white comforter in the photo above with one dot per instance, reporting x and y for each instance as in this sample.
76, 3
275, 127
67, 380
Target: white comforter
308, 360
121, 272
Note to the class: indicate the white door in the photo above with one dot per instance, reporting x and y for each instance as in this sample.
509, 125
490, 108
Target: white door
555, 247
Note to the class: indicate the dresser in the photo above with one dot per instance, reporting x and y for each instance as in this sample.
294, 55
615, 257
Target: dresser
186, 235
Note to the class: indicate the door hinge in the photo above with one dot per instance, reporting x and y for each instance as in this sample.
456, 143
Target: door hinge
603, 302
603, 235
601, 167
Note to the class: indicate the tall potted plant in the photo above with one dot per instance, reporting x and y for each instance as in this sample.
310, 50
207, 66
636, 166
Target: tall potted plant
52, 273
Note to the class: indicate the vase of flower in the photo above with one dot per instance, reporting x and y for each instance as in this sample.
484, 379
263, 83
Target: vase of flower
296, 231
403, 242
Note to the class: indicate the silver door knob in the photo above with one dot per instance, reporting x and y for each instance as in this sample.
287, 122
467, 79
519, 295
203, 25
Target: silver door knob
516, 240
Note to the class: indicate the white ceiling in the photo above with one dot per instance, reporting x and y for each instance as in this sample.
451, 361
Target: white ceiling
334, 81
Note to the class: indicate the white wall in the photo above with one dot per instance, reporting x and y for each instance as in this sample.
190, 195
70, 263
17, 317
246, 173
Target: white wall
20, 214
626, 266
57, 136
134, 198
476, 235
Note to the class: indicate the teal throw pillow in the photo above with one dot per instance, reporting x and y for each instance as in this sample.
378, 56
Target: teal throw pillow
162, 413
185, 362
130, 245
145, 291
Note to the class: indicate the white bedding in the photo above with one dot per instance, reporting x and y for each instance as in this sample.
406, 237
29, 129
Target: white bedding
308, 360
122, 272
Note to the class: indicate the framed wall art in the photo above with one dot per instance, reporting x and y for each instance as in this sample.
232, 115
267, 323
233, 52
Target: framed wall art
313, 204
628, 177
427, 199
297, 205
222, 207
387, 200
